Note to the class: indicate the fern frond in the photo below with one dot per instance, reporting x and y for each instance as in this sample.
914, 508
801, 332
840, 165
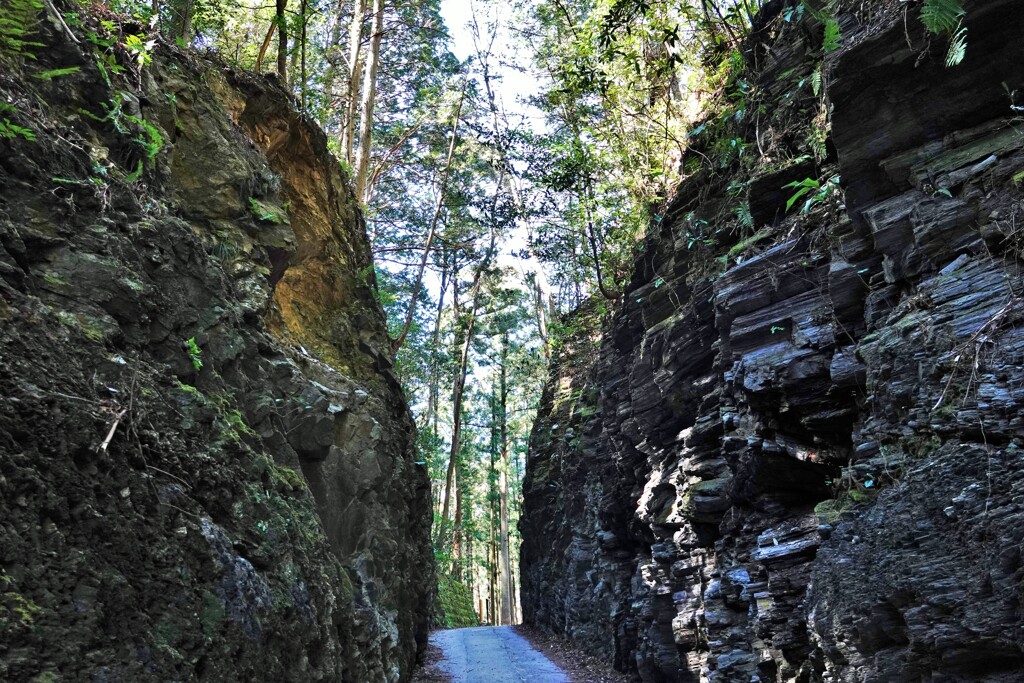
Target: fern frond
57, 73
830, 42
957, 47
17, 27
942, 16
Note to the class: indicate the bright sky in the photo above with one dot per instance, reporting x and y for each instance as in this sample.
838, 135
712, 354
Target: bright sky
457, 15
511, 85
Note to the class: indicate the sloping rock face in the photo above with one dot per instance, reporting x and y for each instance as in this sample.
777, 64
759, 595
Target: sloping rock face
206, 464
806, 465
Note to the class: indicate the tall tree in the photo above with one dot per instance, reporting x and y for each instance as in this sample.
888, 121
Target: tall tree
355, 41
459, 385
362, 162
505, 580
281, 19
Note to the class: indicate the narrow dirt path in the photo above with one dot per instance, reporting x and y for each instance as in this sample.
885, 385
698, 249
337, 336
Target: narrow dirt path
493, 654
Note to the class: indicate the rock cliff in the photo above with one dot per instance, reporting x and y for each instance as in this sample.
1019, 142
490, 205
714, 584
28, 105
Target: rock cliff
796, 454
206, 464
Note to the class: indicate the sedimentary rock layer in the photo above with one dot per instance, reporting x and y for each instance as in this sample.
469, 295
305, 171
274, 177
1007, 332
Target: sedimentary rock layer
801, 461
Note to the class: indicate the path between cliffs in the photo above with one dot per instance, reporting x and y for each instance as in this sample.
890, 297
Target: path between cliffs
493, 654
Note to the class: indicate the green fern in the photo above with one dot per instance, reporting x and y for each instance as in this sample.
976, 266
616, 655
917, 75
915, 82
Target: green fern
942, 16
57, 73
945, 17
830, 42
135, 175
743, 214
17, 26
13, 130
151, 141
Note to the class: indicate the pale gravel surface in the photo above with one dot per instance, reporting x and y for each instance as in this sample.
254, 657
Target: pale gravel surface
493, 654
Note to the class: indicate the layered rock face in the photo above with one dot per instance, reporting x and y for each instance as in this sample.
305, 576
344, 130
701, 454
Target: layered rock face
206, 465
806, 465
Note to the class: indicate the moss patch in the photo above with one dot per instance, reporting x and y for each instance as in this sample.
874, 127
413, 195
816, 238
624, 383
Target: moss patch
454, 603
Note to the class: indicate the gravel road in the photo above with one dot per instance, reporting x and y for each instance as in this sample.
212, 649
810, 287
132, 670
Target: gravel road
493, 654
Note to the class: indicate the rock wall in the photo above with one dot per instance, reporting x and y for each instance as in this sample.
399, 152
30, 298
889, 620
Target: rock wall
797, 457
206, 461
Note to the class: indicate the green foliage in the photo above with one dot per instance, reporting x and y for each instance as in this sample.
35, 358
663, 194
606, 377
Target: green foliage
831, 511
195, 354
135, 175
20, 608
229, 418
18, 21
191, 391
699, 232
142, 132
942, 16
815, 191
745, 244
945, 17
151, 140
265, 211
140, 48
744, 216
103, 51
13, 130
454, 603
832, 38
346, 168
57, 73
617, 69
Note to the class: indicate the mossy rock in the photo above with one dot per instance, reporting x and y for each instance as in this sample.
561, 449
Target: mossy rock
454, 604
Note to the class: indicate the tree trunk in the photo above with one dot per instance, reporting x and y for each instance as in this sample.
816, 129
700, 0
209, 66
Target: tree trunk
435, 373
459, 383
492, 499
294, 66
333, 48
460, 484
303, 76
265, 46
540, 313
506, 565
282, 40
442, 530
369, 97
355, 41
515, 600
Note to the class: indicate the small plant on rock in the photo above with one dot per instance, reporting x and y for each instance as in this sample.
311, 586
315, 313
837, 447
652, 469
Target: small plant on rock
195, 354
945, 17
816, 191
12, 130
